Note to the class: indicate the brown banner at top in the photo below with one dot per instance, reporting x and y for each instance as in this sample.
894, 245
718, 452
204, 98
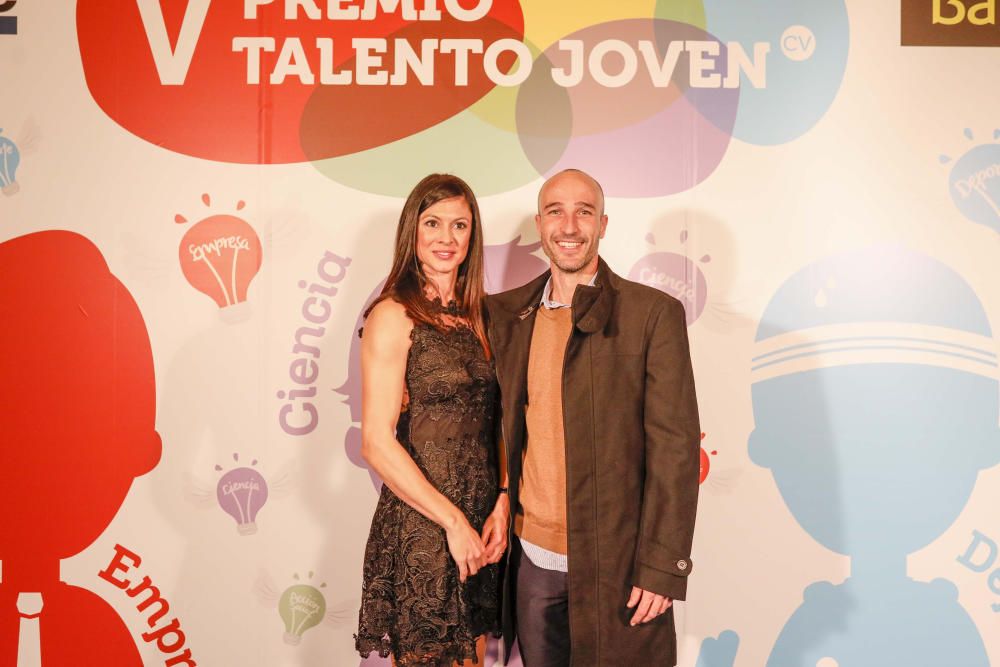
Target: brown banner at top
949, 23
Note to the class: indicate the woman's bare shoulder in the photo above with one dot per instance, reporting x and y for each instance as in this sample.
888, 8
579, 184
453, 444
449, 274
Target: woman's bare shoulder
388, 323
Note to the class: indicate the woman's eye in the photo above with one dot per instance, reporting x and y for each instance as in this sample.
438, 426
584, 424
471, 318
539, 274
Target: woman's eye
431, 222
461, 225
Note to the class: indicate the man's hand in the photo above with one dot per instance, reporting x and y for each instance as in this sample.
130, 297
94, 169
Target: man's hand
495, 530
650, 604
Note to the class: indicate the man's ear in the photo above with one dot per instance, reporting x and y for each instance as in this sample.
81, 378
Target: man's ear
604, 225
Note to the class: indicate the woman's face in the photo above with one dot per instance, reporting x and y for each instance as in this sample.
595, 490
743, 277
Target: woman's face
443, 233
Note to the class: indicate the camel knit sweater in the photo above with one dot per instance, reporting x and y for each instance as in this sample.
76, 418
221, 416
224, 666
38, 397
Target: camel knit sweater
541, 515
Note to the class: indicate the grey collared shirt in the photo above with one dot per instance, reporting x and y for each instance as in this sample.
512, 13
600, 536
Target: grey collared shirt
540, 557
547, 294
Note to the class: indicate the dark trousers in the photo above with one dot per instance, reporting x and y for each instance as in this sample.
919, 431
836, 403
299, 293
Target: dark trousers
542, 615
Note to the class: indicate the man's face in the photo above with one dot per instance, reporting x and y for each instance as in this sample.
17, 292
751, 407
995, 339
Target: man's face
571, 221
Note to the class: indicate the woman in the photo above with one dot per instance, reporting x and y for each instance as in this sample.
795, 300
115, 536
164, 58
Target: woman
428, 428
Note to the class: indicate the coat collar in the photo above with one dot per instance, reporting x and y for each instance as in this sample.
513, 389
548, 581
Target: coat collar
592, 306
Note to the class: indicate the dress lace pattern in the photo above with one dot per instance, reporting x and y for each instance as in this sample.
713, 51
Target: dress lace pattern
412, 603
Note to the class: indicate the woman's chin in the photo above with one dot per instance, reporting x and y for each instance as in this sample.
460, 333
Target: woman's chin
439, 268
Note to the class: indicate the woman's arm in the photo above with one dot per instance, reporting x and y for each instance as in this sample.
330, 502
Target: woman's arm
384, 349
495, 528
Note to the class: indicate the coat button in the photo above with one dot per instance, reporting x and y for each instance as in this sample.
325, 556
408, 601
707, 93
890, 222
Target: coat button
682, 565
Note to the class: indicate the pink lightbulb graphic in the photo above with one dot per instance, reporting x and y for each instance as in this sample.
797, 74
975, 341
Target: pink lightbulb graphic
675, 275
241, 493
220, 256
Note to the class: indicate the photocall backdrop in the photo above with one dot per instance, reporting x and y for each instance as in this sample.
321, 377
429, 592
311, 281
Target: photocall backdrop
199, 198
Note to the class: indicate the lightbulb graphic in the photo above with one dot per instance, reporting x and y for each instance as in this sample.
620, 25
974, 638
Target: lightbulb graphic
10, 158
676, 275
241, 493
301, 607
706, 463
220, 256
974, 182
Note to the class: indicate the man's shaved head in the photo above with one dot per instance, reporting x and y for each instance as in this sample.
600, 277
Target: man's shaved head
571, 221
577, 174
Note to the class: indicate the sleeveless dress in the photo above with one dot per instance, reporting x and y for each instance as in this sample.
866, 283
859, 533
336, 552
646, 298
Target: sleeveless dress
412, 602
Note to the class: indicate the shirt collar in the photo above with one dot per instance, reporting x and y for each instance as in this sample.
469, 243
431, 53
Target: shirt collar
547, 294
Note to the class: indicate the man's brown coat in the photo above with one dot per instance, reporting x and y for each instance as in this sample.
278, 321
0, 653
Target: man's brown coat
632, 458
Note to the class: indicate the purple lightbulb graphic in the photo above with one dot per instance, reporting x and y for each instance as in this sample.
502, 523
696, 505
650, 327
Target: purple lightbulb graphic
241, 493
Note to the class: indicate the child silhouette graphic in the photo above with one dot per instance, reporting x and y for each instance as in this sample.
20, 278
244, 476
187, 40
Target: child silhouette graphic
77, 426
875, 407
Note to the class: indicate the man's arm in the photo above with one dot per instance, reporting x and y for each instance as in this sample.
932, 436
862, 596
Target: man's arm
670, 494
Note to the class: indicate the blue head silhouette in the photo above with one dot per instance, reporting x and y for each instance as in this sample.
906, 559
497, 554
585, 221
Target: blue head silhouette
875, 400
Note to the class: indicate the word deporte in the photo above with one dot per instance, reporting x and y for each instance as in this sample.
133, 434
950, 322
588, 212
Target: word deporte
980, 557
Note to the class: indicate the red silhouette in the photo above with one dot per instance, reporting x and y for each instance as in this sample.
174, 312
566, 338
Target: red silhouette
77, 425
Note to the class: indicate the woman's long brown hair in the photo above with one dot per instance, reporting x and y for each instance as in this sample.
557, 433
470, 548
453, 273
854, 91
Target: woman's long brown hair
407, 283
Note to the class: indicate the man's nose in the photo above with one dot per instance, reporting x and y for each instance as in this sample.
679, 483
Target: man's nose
570, 225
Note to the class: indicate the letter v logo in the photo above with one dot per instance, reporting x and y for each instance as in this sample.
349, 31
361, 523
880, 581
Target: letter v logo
172, 64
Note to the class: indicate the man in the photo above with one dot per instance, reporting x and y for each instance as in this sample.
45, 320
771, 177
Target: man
601, 426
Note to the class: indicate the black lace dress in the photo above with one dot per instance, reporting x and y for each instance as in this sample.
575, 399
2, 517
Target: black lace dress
412, 602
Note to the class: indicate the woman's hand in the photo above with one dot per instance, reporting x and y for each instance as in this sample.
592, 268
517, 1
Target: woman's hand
466, 548
495, 529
